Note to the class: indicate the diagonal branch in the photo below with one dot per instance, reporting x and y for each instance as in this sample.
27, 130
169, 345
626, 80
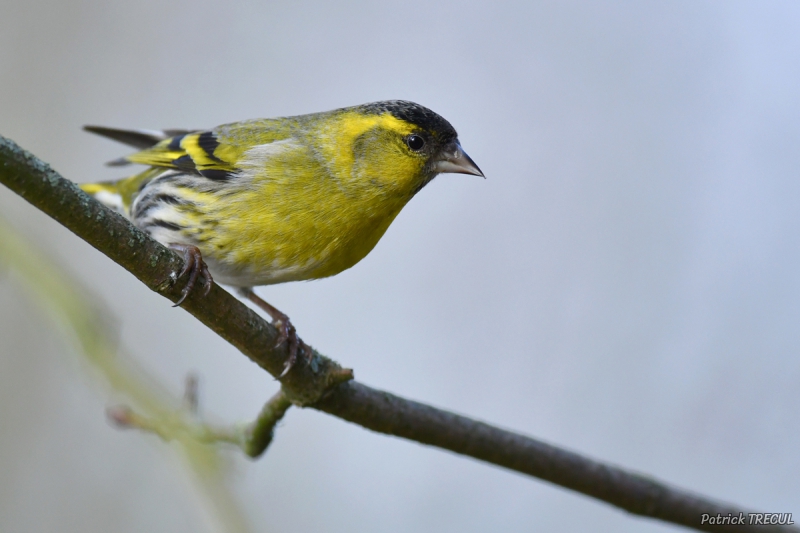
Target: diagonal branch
324, 385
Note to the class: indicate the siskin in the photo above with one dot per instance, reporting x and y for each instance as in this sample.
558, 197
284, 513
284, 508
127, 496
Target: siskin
267, 201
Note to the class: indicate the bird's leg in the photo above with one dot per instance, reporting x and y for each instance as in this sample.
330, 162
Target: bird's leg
286, 331
194, 265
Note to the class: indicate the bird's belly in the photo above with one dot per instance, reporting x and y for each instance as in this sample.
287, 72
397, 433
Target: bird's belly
251, 275
246, 270
270, 255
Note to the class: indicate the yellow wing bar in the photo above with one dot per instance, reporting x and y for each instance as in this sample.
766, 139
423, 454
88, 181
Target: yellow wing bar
193, 152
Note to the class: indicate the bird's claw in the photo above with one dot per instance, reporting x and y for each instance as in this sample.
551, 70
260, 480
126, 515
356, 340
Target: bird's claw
193, 265
285, 329
288, 334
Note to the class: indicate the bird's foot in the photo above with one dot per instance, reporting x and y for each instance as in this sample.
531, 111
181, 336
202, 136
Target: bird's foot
193, 265
286, 331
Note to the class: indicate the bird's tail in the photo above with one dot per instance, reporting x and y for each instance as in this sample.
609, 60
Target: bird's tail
140, 139
119, 194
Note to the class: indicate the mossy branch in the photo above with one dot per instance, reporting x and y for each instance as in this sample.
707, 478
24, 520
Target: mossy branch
326, 386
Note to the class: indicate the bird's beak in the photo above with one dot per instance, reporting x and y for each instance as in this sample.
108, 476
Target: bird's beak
454, 160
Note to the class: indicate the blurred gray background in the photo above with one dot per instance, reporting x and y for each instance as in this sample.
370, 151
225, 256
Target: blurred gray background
624, 283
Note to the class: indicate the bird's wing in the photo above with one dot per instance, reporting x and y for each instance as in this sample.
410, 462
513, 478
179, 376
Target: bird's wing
214, 154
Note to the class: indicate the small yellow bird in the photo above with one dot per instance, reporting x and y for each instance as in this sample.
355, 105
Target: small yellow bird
266, 201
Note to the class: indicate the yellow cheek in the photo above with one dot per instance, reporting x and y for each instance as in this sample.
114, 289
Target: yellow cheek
338, 137
392, 170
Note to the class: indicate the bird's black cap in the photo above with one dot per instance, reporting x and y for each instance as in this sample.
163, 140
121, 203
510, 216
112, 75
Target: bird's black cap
421, 116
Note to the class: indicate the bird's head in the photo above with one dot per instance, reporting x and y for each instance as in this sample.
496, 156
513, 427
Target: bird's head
398, 146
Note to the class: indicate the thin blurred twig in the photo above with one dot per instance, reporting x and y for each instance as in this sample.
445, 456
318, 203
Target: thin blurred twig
253, 439
323, 384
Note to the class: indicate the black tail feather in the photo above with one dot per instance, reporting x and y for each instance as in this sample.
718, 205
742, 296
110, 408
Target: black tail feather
137, 138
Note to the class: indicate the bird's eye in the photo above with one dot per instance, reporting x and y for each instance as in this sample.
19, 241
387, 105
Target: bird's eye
415, 142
